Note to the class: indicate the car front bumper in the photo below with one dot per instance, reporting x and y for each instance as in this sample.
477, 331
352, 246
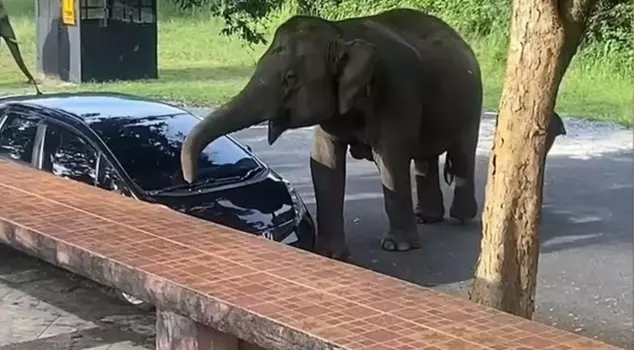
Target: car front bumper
304, 234
296, 233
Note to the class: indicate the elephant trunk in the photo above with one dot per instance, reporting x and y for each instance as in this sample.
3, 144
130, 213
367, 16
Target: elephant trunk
242, 111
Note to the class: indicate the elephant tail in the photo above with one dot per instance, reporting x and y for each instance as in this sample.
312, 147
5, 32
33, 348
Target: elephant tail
557, 125
448, 171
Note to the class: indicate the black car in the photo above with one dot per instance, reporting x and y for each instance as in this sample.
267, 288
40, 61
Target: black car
132, 145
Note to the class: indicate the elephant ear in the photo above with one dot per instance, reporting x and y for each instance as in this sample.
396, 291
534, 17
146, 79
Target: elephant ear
355, 68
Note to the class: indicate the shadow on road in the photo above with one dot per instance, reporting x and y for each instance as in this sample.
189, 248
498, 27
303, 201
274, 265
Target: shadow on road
586, 202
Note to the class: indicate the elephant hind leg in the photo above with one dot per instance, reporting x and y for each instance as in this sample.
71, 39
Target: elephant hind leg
394, 169
460, 164
429, 205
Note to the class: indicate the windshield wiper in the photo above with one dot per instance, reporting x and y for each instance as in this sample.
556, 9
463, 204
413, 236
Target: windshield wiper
195, 185
208, 181
214, 181
250, 173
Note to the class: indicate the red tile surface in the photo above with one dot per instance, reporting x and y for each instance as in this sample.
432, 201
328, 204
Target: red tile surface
344, 304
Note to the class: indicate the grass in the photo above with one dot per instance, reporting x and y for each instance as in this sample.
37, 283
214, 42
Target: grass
198, 66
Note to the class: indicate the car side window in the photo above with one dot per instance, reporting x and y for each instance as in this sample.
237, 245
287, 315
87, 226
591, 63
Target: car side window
17, 136
69, 155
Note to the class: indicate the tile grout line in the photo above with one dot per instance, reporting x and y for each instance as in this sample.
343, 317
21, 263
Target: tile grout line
380, 312
351, 266
217, 299
191, 289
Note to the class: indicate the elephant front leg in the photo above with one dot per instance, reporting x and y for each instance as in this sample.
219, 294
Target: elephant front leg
397, 194
328, 171
429, 206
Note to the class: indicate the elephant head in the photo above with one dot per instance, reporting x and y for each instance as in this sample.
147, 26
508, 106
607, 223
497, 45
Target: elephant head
307, 76
7, 33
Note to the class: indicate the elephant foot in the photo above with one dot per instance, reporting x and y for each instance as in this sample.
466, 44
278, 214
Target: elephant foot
430, 208
342, 256
464, 210
337, 252
426, 218
392, 244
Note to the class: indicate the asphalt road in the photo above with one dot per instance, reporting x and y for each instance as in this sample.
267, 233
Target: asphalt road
585, 266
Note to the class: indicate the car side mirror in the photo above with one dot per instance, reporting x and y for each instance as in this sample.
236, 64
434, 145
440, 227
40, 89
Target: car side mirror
248, 148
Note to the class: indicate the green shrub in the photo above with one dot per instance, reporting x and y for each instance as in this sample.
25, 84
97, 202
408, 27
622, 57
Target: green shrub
197, 65
610, 25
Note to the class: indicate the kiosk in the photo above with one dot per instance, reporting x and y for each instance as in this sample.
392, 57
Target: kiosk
97, 40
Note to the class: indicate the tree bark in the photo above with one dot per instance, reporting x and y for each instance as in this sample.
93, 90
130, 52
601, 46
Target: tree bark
544, 38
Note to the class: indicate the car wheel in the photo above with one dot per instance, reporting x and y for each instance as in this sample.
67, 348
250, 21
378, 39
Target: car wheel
141, 304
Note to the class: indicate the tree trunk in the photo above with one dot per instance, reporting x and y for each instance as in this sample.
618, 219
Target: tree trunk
544, 38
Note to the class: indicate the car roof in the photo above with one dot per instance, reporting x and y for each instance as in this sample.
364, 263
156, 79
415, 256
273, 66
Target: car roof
90, 106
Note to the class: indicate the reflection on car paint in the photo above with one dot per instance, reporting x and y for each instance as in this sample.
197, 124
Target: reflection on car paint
155, 142
249, 208
145, 137
17, 137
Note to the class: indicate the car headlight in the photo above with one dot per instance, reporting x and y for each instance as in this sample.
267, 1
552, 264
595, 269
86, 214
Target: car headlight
298, 203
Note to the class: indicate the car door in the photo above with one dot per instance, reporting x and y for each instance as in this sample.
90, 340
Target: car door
19, 136
68, 154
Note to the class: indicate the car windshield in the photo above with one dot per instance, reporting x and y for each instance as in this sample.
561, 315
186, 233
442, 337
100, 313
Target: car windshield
149, 148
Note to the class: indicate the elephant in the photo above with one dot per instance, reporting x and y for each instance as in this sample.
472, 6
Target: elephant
7, 33
401, 81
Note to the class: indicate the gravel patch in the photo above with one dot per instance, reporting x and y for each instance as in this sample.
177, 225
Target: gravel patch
583, 140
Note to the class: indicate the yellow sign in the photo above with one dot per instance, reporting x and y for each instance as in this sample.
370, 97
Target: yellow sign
68, 12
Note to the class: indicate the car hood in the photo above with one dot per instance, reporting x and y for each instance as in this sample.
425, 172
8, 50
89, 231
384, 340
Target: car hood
256, 207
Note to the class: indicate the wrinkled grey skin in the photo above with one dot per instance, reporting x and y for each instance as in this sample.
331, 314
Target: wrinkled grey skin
402, 82
361, 151
7, 33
